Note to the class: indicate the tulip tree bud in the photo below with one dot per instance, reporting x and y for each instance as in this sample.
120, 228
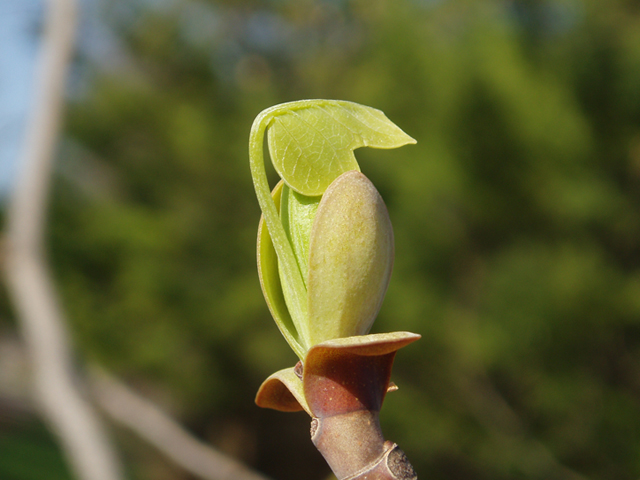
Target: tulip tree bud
350, 259
331, 242
343, 245
325, 255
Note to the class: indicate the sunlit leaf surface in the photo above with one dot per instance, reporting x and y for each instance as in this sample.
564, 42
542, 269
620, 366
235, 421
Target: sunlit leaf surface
311, 143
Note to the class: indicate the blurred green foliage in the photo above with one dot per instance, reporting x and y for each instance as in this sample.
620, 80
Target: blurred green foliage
517, 221
27, 452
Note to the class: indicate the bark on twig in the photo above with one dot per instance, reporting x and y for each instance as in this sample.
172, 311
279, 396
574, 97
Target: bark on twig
345, 391
157, 428
29, 281
353, 445
342, 386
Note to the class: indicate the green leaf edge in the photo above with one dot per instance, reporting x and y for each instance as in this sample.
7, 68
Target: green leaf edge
271, 284
286, 258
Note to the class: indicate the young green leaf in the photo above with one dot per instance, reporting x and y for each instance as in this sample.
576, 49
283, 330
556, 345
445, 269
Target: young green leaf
311, 142
268, 272
297, 213
282, 249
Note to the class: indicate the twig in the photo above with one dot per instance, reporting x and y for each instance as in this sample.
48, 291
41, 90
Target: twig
29, 281
157, 428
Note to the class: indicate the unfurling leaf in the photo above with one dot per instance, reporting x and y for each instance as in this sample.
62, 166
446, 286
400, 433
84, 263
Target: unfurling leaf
297, 213
268, 273
311, 142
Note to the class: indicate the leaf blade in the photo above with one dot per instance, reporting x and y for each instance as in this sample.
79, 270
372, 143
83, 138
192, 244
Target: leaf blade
268, 273
311, 143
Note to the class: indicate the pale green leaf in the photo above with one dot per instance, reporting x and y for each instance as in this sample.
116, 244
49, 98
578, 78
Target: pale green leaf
297, 213
296, 304
311, 142
271, 285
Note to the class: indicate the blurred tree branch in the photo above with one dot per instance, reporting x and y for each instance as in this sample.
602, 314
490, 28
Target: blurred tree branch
41, 318
156, 427
28, 278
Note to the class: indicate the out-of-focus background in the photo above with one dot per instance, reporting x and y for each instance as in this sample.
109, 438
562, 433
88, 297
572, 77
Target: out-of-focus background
516, 216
